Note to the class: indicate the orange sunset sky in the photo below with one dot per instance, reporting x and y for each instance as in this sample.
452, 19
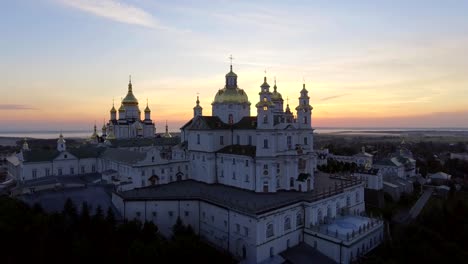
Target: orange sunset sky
393, 64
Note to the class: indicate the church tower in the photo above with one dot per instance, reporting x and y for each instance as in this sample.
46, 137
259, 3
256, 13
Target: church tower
277, 100
113, 112
147, 112
304, 110
197, 110
265, 107
61, 146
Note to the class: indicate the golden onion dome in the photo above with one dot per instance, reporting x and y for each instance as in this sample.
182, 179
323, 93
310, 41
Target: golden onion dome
275, 96
113, 109
104, 128
130, 99
231, 95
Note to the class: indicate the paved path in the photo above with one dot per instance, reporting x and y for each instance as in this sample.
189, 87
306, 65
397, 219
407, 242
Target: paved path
419, 205
405, 216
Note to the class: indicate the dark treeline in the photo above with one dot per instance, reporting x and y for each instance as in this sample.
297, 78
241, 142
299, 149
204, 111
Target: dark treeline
439, 235
334, 166
31, 235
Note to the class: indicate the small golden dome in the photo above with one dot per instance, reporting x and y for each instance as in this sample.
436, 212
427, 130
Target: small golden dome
113, 109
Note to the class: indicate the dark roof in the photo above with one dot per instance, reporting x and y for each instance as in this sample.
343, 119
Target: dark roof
123, 155
82, 152
247, 122
239, 150
86, 151
141, 142
235, 198
37, 155
214, 122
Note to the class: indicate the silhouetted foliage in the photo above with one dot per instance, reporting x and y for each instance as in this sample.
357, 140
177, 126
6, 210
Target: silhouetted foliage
30, 235
437, 236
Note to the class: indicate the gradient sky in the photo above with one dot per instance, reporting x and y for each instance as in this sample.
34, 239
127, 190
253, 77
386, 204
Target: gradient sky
365, 63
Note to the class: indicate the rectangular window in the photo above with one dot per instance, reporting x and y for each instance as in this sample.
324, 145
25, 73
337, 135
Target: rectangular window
233, 175
59, 171
221, 140
72, 170
265, 166
155, 214
246, 163
233, 161
222, 160
246, 231
246, 178
305, 141
289, 142
238, 140
34, 174
186, 213
222, 173
143, 173
198, 139
82, 169
265, 143
47, 171
93, 168
250, 140
237, 228
171, 213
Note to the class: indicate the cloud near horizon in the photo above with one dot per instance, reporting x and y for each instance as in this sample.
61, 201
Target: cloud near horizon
115, 10
16, 107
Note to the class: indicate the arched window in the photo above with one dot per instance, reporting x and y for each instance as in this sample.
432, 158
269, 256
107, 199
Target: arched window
299, 220
348, 201
265, 143
291, 182
269, 230
287, 223
305, 141
265, 119
357, 197
305, 120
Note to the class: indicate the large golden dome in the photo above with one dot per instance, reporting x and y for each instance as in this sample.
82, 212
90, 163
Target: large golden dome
130, 99
231, 95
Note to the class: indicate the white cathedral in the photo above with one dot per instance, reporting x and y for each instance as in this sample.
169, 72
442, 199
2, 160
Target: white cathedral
246, 184
129, 123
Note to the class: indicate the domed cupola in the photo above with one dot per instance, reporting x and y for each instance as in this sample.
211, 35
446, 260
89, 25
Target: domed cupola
130, 99
230, 103
276, 96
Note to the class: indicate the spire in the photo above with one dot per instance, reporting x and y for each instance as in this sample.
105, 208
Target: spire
147, 109
231, 58
274, 87
130, 83
167, 134
198, 101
